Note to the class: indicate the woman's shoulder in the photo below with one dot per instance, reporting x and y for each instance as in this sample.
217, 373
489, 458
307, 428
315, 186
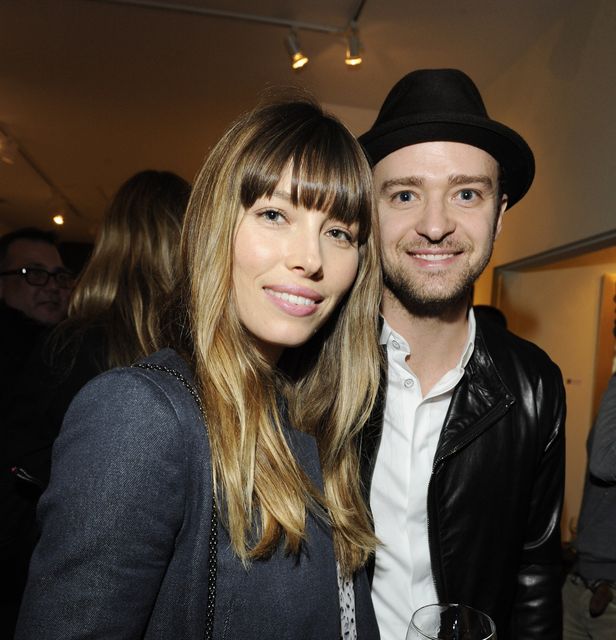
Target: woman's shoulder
168, 357
165, 370
156, 393
164, 363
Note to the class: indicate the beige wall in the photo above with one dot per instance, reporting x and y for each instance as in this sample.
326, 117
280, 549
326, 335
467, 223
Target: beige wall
557, 307
561, 96
356, 119
567, 116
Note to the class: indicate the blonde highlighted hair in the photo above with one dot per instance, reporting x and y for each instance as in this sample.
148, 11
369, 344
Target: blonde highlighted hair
330, 383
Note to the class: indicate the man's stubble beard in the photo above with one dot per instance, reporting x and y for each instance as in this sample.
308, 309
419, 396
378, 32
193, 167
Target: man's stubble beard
421, 300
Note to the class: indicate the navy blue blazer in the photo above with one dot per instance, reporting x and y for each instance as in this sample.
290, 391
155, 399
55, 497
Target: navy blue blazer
125, 522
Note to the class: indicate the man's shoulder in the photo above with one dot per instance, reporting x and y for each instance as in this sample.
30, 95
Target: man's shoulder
19, 336
14, 321
513, 355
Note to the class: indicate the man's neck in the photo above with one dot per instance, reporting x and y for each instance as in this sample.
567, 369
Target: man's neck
436, 342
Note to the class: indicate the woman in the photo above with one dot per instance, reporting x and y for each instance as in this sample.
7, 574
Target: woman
278, 257
133, 269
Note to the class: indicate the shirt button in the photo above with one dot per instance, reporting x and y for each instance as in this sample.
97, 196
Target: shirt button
408, 383
396, 344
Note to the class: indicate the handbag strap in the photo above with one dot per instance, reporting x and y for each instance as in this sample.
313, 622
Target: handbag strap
213, 537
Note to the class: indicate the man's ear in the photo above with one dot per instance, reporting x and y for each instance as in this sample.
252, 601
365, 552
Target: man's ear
501, 213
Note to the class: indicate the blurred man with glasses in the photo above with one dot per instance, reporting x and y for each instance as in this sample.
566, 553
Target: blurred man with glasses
34, 290
33, 279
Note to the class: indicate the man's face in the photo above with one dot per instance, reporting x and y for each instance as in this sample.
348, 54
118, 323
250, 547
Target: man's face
44, 304
439, 217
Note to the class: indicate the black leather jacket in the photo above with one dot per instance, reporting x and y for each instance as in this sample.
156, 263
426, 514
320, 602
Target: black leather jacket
495, 495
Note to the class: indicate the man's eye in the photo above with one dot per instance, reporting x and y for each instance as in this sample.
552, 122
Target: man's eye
468, 194
403, 196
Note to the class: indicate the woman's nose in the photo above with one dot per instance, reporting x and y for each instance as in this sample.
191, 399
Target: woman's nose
304, 254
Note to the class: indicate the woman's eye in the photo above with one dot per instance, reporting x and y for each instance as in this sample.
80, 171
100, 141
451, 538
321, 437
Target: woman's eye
271, 215
341, 235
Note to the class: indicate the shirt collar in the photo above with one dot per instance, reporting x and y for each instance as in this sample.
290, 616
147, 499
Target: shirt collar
469, 347
387, 332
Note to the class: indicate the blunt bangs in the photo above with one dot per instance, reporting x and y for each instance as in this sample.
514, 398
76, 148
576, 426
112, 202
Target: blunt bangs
329, 170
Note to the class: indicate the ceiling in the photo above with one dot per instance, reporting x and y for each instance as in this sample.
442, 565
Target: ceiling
93, 91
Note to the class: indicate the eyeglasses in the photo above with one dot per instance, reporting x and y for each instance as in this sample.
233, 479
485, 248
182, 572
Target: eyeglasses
40, 277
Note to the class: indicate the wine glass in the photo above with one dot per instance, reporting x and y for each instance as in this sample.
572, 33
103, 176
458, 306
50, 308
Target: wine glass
450, 622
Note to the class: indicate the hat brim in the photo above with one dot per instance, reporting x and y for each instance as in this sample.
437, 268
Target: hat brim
507, 147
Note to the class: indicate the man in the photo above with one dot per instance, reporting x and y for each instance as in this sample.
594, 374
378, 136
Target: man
589, 593
34, 288
33, 277
463, 461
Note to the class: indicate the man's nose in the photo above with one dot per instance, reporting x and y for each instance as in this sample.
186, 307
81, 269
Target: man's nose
435, 222
52, 284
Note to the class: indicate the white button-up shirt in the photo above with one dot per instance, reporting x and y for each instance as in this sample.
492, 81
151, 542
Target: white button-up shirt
412, 424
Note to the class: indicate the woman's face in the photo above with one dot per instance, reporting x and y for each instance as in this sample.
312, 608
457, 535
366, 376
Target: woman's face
291, 268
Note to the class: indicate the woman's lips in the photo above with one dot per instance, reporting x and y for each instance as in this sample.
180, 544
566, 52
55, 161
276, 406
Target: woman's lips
296, 301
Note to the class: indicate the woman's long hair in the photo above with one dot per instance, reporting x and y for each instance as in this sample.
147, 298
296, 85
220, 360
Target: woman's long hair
263, 494
133, 269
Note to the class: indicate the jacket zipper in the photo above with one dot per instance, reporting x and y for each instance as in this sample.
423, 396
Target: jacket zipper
437, 572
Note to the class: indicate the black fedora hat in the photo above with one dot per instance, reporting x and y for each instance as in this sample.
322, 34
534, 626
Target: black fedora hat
429, 105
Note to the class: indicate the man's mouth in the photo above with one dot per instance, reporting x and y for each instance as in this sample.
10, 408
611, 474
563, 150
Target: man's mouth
433, 257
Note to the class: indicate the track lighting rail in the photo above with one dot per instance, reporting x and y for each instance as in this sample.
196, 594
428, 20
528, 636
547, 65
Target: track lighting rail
246, 17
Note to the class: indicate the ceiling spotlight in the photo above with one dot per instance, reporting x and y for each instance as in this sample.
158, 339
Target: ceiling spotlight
298, 59
353, 57
57, 208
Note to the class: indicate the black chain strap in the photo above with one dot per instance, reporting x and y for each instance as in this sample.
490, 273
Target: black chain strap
213, 538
